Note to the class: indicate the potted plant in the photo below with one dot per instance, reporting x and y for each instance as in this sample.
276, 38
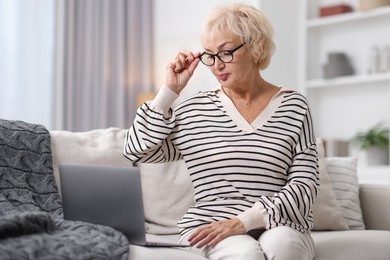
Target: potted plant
375, 141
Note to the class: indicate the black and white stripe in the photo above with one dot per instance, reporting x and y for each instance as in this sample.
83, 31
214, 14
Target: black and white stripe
231, 169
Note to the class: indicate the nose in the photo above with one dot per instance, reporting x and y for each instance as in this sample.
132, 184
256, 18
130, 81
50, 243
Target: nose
218, 64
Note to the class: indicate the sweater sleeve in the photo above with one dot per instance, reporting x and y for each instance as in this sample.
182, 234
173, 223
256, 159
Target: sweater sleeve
148, 138
292, 205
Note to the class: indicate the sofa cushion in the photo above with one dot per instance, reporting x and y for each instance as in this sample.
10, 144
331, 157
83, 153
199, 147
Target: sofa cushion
375, 204
167, 190
343, 174
147, 253
326, 209
168, 193
98, 147
345, 245
352, 244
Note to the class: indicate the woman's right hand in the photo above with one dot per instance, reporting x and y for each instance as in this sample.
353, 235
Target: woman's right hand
180, 70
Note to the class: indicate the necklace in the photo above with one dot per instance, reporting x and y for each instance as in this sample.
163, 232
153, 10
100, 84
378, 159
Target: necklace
247, 102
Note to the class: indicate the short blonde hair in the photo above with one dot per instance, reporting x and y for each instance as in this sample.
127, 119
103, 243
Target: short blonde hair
247, 22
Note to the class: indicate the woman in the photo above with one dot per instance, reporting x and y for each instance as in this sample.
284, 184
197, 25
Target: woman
249, 145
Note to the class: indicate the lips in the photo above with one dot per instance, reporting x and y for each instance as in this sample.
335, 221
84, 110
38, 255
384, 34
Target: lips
223, 76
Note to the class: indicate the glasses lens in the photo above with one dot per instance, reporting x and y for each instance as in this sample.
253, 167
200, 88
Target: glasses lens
225, 56
207, 59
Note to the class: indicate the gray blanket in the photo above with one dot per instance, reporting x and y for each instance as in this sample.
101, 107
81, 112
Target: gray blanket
31, 218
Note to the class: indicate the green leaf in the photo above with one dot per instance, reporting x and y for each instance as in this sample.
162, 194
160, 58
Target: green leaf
377, 136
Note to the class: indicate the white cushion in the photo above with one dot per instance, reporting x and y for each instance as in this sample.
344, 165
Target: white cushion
343, 174
352, 244
326, 209
168, 193
167, 189
98, 147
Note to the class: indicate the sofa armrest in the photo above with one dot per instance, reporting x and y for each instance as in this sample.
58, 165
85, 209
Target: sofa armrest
375, 204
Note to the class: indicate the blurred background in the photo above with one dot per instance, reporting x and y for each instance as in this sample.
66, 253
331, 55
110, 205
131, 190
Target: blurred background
79, 65
85, 64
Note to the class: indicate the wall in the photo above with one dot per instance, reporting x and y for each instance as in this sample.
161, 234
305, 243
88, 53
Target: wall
285, 18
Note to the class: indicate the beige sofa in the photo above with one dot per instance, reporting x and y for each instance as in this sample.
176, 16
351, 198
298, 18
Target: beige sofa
167, 194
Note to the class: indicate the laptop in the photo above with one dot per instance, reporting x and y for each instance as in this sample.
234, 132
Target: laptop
110, 196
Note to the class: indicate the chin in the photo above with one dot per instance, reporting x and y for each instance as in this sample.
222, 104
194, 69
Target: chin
226, 85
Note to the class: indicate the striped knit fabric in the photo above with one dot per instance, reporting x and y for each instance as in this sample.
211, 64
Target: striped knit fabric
270, 165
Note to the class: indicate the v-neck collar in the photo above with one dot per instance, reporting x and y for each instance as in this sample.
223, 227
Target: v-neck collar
260, 120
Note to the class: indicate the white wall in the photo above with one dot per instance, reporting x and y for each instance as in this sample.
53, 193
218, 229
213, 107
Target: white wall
26, 47
177, 27
285, 18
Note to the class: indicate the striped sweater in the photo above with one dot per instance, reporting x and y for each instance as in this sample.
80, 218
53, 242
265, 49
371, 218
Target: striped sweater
265, 173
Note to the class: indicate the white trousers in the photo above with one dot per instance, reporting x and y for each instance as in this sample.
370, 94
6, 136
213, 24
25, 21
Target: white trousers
281, 243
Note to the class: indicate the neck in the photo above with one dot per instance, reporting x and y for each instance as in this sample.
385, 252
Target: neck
247, 94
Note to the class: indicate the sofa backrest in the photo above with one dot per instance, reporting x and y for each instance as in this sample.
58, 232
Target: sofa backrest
375, 205
167, 189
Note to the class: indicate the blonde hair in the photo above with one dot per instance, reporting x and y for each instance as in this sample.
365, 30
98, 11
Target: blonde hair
247, 22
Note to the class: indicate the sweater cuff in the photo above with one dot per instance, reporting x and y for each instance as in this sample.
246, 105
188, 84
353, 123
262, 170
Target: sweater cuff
254, 218
164, 100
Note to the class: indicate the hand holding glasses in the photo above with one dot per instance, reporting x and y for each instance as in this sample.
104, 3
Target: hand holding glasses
226, 56
180, 70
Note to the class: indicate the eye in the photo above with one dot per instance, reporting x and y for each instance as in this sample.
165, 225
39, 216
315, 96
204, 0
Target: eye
223, 54
208, 57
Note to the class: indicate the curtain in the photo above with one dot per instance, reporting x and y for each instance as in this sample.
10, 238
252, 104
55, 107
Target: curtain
104, 56
26, 60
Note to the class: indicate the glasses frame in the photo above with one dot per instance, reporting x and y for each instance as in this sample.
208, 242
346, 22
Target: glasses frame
218, 53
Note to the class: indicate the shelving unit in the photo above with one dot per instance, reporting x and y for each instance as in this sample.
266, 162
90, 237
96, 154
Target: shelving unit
349, 81
344, 105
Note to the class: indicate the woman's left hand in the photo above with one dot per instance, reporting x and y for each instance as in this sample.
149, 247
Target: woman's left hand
211, 234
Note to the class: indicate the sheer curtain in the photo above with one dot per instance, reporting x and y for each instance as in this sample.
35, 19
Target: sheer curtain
26, 60
104, 56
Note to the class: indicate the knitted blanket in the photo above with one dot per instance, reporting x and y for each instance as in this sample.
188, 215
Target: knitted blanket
31, 218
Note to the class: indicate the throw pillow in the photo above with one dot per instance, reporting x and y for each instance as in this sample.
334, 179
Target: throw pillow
168, 194
326, 209
343, 174
166, 187
98, 147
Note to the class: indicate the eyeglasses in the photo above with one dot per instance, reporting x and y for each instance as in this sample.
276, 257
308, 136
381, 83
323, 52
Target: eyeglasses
226, 56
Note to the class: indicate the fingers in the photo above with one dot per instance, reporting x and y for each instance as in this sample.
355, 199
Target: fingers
209, 235
184, 60
180, 70
203, 236
212, 234
194, 64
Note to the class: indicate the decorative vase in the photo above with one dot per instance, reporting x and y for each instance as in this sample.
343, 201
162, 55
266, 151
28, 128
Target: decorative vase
377, 156
338, 65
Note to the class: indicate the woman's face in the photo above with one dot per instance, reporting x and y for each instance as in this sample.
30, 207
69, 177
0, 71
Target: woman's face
240, 70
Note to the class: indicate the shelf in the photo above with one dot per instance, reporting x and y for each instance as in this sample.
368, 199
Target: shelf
374, 174
347, 103
348, 17
348, 80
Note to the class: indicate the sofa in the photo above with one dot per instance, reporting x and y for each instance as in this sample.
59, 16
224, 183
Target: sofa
351, 220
